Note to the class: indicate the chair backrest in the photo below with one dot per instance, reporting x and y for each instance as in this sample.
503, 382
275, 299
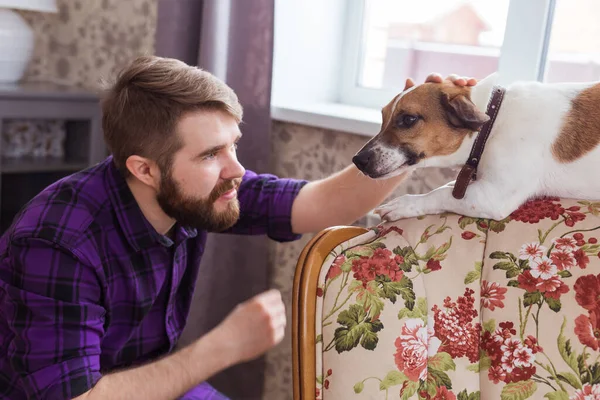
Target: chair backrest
452, 307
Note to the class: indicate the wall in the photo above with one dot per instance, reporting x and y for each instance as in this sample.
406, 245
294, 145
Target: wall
89, 40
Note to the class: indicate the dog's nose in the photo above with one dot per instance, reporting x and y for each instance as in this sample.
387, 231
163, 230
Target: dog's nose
361, 160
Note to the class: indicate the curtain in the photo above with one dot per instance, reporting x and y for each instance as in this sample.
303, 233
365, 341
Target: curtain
232, 39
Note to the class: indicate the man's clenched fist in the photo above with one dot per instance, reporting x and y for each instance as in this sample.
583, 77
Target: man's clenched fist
254, 326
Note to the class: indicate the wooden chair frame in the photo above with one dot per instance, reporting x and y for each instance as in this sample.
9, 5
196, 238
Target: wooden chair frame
304, 299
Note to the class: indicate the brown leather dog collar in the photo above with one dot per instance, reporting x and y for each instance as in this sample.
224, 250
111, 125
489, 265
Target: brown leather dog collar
469, 170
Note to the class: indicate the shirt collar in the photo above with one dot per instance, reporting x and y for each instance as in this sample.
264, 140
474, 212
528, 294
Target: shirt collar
138, 230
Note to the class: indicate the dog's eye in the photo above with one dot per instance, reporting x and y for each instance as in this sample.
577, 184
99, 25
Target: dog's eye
407, 120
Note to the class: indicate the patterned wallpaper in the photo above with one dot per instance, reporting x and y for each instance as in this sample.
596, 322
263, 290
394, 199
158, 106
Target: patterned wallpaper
89, 40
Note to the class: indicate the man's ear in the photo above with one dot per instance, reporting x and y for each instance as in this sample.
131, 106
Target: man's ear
144, 169
462, 113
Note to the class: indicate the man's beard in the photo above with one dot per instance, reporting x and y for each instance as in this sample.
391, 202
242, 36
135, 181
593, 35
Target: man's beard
198, 213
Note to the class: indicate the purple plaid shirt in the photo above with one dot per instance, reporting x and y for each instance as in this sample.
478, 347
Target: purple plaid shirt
88, 286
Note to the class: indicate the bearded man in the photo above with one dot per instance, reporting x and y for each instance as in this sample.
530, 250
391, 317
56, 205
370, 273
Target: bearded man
97, 272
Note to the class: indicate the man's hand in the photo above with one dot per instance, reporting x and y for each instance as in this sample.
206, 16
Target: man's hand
254, 326
457, 80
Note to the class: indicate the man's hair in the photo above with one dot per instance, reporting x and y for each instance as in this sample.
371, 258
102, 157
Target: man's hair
140, 111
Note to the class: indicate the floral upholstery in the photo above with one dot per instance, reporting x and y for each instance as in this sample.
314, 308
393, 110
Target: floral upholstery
450, 307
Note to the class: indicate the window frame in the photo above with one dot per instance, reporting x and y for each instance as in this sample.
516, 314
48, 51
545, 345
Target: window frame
523, 54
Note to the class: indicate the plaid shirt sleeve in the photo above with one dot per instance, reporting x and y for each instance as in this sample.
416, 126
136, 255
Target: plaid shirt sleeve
266, 206
50, 301
203, 392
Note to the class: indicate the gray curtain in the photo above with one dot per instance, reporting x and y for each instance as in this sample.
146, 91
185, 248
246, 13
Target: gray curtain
234, 40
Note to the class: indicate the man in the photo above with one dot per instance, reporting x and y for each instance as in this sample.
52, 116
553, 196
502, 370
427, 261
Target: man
97, 272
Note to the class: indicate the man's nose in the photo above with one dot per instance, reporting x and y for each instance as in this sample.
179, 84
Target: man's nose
234, 169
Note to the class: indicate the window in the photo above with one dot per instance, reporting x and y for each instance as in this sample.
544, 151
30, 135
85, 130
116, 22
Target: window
429, 35
390, 40
574, 51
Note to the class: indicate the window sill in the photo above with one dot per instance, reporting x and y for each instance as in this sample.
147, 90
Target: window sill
339, 117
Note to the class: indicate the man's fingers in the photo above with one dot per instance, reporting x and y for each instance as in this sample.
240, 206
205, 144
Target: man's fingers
279, 321
457, 80
471, 81
269, 297
272, 303
434, 78
278, 336
454, 78
462, 80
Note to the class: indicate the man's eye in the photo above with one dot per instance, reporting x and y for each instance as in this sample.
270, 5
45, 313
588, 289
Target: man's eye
407, 120
210, 156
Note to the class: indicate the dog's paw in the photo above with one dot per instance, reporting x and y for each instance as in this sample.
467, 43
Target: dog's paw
391, 212
406, 206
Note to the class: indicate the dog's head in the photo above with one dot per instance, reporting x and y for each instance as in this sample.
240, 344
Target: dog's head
424, 121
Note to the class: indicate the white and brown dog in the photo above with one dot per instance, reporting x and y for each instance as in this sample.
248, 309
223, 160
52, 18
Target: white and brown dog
543, 141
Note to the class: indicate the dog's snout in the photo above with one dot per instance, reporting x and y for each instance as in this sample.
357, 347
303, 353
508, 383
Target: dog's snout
361, 159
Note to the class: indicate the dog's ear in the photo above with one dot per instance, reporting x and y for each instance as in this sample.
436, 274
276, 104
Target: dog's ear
462, 113
409, 83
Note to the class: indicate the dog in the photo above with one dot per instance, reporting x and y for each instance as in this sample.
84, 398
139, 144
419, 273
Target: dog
543, 142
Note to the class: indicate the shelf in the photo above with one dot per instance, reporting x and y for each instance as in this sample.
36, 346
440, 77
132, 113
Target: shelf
25, 165
45, 91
